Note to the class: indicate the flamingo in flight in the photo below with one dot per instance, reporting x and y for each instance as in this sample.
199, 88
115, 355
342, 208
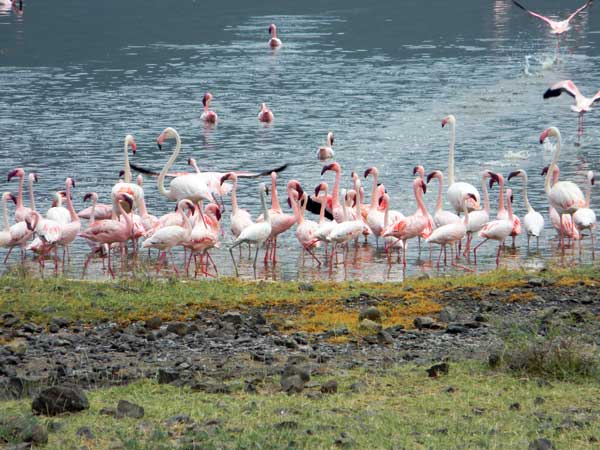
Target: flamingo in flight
585, 218
208, 115
326, 152
533, 220
274, 42
564, 196
265, 114
582, 104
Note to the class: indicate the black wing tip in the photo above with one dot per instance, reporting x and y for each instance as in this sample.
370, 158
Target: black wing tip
143, 170
552, 93
519, 5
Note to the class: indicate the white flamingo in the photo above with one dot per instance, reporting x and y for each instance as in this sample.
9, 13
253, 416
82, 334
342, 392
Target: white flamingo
126, 186
326, 152
533, 220
585, 218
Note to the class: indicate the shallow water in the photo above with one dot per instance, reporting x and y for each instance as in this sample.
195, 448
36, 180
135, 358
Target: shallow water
77, 76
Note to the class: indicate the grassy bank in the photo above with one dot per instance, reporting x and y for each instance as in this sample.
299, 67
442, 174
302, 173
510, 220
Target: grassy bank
472, 407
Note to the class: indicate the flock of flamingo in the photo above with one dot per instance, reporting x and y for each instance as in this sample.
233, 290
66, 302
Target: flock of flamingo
344, 216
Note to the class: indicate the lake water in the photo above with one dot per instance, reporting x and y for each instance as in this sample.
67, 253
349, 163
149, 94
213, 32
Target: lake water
77, 76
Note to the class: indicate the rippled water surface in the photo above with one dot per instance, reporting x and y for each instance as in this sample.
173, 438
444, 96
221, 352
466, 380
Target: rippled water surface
77, 76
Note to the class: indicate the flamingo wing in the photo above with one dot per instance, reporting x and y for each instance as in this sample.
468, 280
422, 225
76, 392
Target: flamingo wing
596, 97
566, 86
578, 10
539, 16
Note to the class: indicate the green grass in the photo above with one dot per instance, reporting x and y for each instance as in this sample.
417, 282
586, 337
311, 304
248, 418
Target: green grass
400, 407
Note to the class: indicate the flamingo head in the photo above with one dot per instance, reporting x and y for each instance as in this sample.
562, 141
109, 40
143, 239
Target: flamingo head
330, 138
263, 107
434, 174
166, 134
590, 177
350, 197
321, 187
419, 170
70, 181
206, 99
294, 185
450, 119
509, 195
516, 173
494, 178
371, 171
19, 172
333, 166
384, 201
272, 29
552, 131
228, 176
126, 201
420, 184
140, 180
130, 141
33, 178
90, 195
31, 220
9, 196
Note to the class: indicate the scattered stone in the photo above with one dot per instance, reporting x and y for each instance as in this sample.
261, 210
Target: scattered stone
358, 387
344, 440
371, 313
178, 328
494, 359
54, 426
85, 433
60, 399
438, 369
384, 338
24, 429
178, 420
450, 390
329, 387
154, 323
286, 425
211, 387
166, 376
10, 320
295, 369
233, 317
455, 328
293, 384
370, 326
424, 322
108, 412
307, 287
539, 401
448, 314
515, 407
128, 409
478, 411
541, 444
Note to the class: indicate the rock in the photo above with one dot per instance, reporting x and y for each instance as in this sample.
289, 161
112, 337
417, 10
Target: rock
455, 328
370, 326
424, 322
53, 328
153, 323
178, 419
370, 313
343, 440
541, 444
535, 282
108, 412
60, 399
128, 409
447, 315
515, 407
61, 322
384, 338
30, 328
307, 287
539, 401
211, 387
85, 433
233, 317
286, 425
450, 390
178, 328
11, 321
23, 429
166, 376
438, 369
292, 385
295, 369
329, 387
358, 387
494, 359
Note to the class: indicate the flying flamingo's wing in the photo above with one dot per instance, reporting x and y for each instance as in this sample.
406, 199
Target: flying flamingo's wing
596, 97
539, 16
566, 86
578, 10
240, 174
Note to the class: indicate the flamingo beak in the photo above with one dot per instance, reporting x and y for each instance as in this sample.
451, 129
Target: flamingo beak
29, 225
543, 136
444, 122
12, 198
381, 200
87, 196
513, 174
223, 179
133, 147
424, 187
415, 170
545, 170
11, 174
494, 179
218, 214
326, 168
429, 177
593, 180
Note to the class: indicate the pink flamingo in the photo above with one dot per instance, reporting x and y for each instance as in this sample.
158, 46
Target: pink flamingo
565, 224
126, 186
497, 230
203, 238
148, 220
239, 218
48, 232
585, 218
71, 229
207, 115
96, 249
362, 209
451, 232
478, 218
110, 231
305, 231
274, 42
326, 152
417, 224
15, 235
390, 242
336, 207
325, 226
564, 196
265, 114
345, 231
58, 212
502, 213
441, 217
582, 104
22, 211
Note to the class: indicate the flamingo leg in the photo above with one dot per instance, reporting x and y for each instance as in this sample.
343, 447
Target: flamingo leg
233, 259
209, 258
442, 248
562, 242
110, 271
8, 254
476, 247
593, 244
311, 253
498, 255
255, 257
173, 262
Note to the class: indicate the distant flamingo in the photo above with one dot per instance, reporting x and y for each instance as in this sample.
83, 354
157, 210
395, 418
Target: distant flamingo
533, 220
457, 191
417, 224
22, 211
265, 114
585, 218
239, 218
564, 196
582, 104
255, 234
569, 230
274, 42
390, 242
207, 115
497, 230
502, 213
326, 152
126, 186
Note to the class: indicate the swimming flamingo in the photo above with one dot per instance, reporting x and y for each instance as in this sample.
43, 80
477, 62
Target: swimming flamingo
569, 230
69, 230
417, 224
255, 234
265, 114
166, 238
502, 213
582, 104
22, 211
274, 42
441, 217
497, 230
305, 230
326, 152
585, 218
207, 115
451, 232
457, 191
533, 220
564, 196
126, 186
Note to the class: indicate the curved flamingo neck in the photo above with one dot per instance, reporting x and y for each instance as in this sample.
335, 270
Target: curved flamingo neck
187, 225
501, 196
451, 154
20, 193
386, 213
5, 213
344, 212
335, 201
322, 210
234, 203
274, 197
127, 169
163, 173
525, 196
263, 203
486, 196
128, 221
438, 204
553, 163
419, 197
588, 193
72, 213
294, 201
374, 198
466, 212
31, 196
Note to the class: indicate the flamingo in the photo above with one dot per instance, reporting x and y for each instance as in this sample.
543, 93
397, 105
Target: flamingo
274, 42
497, 230
336, 207
204, 237
417, 224
564, 196
568, 228
585, 218
375, 216
533, 220
255, 234
325, 226
305, 231
326, 152
390, 242
148, 220
557, 27
451, 232
48, 232
58, 213
171, 236
458, 190
477, 219
110, 231
15, 235
100, 249
239, 218
582, 104
69, 230
441, 217
22, 211
502, 213
265, 114
5, 237
207, 115
362, 210
126, 186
